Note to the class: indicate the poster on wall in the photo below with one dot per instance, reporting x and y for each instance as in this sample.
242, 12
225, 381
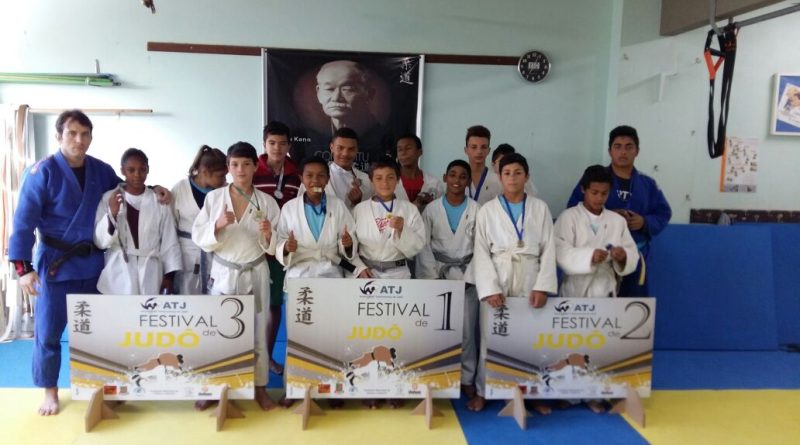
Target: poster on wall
571, 348
316, 92
161, 347
739, 165
355, 338
786, 105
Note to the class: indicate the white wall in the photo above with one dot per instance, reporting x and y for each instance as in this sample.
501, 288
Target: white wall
672, 128
216, 99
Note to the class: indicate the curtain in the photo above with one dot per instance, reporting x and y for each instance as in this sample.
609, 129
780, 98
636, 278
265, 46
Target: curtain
17, 152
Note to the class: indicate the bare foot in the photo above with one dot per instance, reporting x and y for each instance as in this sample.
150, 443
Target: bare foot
597, 406
335, 403
563, 404
371, 403
476, 403
284, 402
263, 399
202, 405
396, 403
542, 407
468, 391
49, 406
275, 367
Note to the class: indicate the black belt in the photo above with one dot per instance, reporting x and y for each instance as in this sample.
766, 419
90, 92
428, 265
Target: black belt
727, 55
83, 248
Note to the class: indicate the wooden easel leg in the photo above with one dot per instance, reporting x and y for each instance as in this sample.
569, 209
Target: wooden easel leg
426, 408
631, 405
225, 409
516, 408
308, 408
97, 411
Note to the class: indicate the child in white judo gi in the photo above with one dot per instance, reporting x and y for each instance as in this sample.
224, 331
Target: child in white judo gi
450, 229
236, 224
207, 172
390, 231
314, 229
515, 254
314, 233
594, 247
142, 253
485, 184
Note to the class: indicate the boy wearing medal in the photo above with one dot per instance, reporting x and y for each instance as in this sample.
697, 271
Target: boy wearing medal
314, 234
236, 224
484, 184
277, 175
515, 253
390, 231
447, 254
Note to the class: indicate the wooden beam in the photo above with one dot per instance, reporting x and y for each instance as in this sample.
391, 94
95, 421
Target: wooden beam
679, 16
237, 50
233, 50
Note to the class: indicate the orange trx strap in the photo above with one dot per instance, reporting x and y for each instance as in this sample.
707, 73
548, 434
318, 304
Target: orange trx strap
727, 56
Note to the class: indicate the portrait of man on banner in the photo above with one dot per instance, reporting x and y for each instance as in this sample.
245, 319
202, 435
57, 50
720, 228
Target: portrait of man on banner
316, 93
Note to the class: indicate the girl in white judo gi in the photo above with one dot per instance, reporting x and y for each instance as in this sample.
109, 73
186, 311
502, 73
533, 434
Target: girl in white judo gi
515, 254
142, 253
207, 173
236, 224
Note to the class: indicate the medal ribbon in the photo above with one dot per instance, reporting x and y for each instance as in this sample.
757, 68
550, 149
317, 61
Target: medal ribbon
322, 207
520, 231
480, 185
387, 208
255, 203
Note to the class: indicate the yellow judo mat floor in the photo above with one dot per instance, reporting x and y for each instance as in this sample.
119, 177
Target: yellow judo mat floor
177, 423
722, 417
673, 417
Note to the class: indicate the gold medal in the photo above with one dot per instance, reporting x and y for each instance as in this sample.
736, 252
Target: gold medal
389, 215
520, 244
258, 215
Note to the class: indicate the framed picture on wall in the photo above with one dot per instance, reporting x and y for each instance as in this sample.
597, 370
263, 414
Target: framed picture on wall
786, 105
316, 92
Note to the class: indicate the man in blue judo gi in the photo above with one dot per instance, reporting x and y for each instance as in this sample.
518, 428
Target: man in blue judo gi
637, 198
59, 198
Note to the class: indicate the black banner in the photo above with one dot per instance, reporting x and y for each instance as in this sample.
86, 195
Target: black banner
314, 93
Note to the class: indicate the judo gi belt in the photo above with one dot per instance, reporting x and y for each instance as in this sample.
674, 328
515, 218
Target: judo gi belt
83, 248
726, 54
383, 266
240, 267
201, 268
449, 263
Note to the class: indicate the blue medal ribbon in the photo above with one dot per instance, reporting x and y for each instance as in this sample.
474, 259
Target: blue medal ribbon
520, 231
480, 185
